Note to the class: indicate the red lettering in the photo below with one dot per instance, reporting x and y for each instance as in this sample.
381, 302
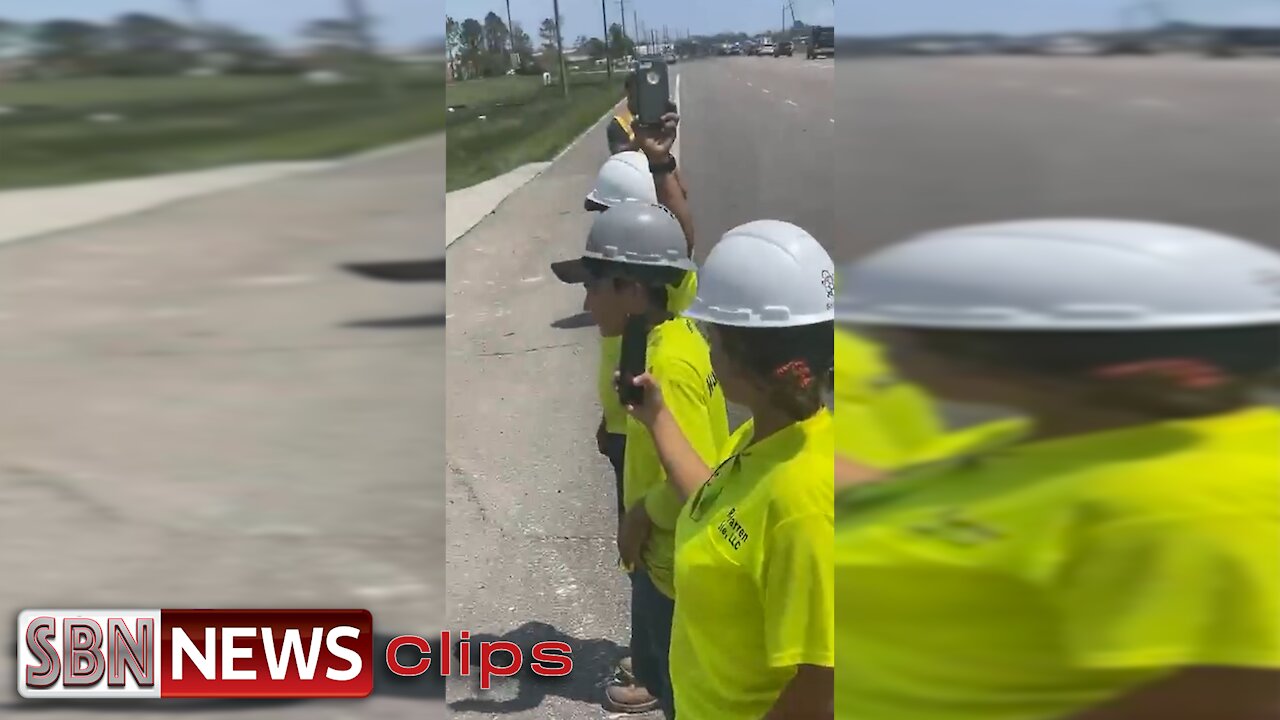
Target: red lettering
552, 659
424, 655
488, 669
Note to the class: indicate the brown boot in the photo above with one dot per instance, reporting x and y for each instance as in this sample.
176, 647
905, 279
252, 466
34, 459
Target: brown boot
629, 699
624, 672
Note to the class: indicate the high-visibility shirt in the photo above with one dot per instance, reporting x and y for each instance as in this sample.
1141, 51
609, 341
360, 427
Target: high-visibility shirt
615, 415
679, 359
1037, 581
754, 583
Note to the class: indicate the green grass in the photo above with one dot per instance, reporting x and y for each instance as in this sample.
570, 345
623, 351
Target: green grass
176, 124
524, 122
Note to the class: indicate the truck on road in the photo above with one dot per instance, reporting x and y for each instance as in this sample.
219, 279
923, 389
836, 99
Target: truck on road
822, 42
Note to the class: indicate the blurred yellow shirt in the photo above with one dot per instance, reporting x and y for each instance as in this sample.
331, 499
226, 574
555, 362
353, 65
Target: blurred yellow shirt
754, 585
1037, 581
678, 357
681, 296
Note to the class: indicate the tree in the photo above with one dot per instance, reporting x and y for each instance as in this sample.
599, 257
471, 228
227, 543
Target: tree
333, 33
472, 46
71, 45
522, 43
620, 45
145, 34
550, 49
593, 47
495, 35
452, 44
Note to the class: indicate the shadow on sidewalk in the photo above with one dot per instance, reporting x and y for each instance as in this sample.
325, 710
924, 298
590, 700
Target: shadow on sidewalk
593, 662
574, 322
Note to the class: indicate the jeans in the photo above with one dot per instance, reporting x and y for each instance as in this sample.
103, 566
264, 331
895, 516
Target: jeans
651, 618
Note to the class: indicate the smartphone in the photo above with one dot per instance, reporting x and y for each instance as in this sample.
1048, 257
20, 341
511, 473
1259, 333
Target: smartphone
633, 360
653, 92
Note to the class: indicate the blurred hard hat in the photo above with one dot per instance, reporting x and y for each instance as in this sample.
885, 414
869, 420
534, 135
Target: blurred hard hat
1064, 275
625, 176
766, 273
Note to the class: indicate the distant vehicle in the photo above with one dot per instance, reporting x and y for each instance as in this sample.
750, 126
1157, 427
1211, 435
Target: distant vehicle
765, 50
671, 58
783, 49
736, 49
1071, 46
822, 42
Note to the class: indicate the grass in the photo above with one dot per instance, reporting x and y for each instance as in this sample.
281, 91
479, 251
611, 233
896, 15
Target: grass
175, 124
523, 122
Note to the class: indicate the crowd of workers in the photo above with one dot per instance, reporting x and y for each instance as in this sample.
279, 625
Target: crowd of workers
1107, 550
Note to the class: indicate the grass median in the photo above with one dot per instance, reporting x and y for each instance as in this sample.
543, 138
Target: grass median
498, 124
66, 131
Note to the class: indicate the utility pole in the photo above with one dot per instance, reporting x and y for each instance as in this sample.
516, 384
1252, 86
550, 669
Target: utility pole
359, 19
564, 68
608, 59
511, 37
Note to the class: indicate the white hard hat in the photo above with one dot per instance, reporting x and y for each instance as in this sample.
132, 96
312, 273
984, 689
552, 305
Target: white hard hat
766, 273
625, 176
630, 233
1065, 275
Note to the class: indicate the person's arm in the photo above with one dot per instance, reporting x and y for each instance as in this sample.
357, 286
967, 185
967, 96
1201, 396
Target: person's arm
809, 696
686, 471
656, 145
1202, 693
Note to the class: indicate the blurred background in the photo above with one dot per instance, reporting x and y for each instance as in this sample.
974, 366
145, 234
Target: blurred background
205, 400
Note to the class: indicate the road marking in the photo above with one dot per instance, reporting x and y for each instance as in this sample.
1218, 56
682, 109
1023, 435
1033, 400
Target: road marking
764, 90
750, 85
531, 279
792, 103
833, 120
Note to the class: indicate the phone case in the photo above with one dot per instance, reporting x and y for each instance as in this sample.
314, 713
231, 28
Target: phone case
632, 363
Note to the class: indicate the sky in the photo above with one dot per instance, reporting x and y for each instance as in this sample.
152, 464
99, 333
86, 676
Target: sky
701, 17
401, 24
876, 17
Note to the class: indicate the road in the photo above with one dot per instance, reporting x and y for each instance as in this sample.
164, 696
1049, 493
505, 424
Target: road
201, 409
531, 522
927, 143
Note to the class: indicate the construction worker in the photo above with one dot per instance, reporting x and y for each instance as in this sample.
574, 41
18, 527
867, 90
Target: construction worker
754, 630
627, 176
1120, 561
635, 250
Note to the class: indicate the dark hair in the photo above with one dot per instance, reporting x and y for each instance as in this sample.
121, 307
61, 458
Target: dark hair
794, 363
1220, 368
653, 278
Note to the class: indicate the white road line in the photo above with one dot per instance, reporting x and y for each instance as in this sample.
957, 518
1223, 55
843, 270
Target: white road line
833, 120
792, 103
750, 85
537, 278
764, 90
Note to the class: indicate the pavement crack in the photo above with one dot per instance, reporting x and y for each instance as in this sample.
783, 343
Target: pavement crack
67, 489
526, 351
467, 482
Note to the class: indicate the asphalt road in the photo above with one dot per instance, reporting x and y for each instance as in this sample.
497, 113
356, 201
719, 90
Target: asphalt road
757, 135
927, 143
199, 408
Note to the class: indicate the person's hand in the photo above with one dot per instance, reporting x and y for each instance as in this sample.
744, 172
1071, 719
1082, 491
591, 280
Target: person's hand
633, 535
602, 438
653, 406
656, 141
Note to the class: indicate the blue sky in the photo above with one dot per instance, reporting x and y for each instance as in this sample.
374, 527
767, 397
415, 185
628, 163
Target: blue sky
582, 17
402, 23
883, 17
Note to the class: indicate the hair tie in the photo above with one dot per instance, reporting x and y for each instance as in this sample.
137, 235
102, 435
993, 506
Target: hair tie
1186, 372
797, 370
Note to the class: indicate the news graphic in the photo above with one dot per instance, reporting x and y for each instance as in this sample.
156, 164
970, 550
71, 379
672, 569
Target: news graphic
157, 654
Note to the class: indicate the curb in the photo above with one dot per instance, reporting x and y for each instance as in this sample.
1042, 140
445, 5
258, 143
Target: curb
305, 167
547, 166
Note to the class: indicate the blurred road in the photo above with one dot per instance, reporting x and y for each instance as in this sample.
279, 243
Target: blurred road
926, 143
199, 408
532, 527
